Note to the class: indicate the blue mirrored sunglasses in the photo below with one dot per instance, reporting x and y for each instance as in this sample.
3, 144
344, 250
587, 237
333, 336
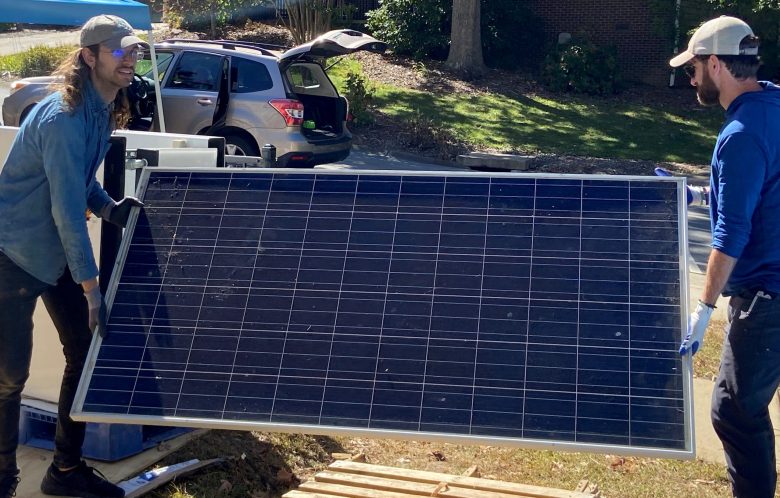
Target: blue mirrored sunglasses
135, 54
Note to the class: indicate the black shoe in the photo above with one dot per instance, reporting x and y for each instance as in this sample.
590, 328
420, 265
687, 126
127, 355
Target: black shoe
8, 483
83, 481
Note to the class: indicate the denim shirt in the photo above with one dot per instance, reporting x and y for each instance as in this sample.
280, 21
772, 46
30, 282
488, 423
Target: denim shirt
47, 183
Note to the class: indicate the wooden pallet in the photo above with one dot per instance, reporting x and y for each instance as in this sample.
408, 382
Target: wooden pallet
360, 480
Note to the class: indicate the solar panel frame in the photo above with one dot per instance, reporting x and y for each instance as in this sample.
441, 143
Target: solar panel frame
688, 452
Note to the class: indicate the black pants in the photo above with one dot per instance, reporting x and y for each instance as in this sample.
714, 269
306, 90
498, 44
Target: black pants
747, 382
67, 307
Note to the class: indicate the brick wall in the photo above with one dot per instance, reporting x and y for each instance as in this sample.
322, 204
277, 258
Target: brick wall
625, 24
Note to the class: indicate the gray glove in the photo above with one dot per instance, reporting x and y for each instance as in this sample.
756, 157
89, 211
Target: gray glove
117, 213
97, 311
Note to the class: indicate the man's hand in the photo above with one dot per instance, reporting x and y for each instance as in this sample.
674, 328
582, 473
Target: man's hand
119, 212
697, 324
97, 311
695, 195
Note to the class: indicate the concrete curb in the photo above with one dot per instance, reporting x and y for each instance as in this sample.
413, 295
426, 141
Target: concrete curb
512, 162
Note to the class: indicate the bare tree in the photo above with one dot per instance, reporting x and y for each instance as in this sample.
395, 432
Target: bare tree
307, 19
466, 39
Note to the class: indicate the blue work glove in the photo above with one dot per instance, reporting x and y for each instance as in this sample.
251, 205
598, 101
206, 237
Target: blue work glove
697, 324
118, 213
97, 311
698, 195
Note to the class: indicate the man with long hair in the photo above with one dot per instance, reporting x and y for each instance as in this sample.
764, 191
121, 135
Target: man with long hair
722, 62
46, 186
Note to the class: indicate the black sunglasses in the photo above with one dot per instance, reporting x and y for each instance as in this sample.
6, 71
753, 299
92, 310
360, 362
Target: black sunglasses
690, 67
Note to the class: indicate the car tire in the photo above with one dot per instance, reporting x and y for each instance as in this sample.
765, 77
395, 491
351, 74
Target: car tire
239, 146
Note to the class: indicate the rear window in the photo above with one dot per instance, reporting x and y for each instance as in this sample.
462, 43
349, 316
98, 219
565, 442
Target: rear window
250, 76
196, 71
302, 78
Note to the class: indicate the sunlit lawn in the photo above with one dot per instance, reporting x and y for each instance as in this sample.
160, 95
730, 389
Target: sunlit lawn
584, 126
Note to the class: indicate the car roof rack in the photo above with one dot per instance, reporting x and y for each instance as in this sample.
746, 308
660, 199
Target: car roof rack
263, 48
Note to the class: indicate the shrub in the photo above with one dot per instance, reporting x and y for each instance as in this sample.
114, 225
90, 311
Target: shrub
360, 96
426, 135
196, 15
582, 67
42, 60
511, 35
419, 28
10, 64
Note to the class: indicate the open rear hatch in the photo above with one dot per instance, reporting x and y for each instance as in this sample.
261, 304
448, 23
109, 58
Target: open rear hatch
325, 111
332, 44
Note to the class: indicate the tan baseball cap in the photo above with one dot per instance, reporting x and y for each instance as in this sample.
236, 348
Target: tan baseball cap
719, 36
112, 31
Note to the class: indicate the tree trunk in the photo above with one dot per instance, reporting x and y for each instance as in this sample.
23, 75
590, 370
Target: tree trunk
213, 21
307, 19
466, 39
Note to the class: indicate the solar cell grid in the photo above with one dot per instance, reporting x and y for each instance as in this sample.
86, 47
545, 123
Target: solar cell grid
516, 309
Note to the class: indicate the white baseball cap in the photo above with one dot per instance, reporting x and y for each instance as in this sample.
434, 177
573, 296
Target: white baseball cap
719, 36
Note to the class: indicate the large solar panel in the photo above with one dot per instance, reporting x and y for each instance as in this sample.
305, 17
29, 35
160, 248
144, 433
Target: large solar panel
532, 310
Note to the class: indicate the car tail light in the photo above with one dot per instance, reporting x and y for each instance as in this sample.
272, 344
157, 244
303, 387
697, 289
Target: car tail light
347, 110
18, 85
291, 110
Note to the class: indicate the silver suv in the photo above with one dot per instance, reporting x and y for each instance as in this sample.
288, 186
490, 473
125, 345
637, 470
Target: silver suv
251, 94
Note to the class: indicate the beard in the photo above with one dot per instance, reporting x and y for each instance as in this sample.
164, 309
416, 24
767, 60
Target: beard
706, 92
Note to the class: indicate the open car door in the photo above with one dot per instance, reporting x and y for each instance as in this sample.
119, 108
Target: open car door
223, 97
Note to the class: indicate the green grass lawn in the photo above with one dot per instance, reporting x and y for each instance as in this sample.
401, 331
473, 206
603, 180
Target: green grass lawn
573, 125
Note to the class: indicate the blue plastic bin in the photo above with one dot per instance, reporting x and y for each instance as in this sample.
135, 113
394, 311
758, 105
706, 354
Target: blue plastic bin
107, 442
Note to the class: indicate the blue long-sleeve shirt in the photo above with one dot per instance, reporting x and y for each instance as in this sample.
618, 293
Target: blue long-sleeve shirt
47, 183
745, 190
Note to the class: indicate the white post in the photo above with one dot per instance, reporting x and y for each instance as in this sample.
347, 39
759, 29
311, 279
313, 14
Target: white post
677, 8
157, 92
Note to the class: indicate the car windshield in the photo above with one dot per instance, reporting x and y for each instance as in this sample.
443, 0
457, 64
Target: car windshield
144, 66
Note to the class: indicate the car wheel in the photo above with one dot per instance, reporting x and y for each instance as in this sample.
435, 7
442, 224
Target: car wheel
239, 146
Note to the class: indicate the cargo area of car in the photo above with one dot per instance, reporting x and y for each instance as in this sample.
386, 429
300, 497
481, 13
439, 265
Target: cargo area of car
323, 117
324, 110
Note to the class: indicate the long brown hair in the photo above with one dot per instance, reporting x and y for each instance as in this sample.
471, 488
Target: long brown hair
73, 72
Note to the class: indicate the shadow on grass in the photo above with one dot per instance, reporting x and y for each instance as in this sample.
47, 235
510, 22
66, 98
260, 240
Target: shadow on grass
257, 464
521, 123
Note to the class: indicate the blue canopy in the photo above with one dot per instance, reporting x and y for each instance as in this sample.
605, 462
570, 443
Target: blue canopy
73, 12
